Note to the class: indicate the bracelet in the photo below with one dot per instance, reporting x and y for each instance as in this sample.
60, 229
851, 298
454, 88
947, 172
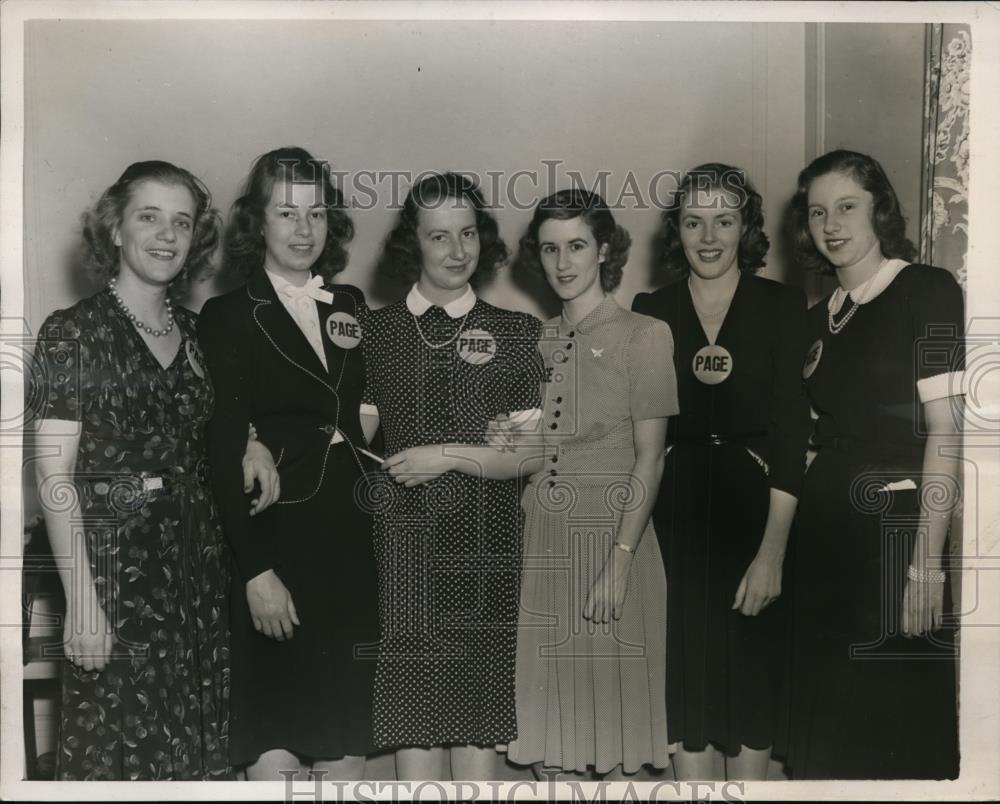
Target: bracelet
925, 575
625, 547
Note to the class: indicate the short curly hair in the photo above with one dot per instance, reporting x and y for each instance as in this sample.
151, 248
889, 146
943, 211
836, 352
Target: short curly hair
733, 182
100, 256
244, 244
401, 258
888, 222
565, 205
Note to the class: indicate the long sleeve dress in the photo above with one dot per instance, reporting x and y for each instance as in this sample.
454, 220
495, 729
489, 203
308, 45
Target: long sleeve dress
592, 696
311, 694
741, 431
867, 702
449, 551
159, 709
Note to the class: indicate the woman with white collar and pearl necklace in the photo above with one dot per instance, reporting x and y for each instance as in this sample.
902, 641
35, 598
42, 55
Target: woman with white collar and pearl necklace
873, 675
442, 363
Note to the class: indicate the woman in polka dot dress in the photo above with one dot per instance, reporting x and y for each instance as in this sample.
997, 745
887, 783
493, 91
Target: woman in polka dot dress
591, 635
441, 364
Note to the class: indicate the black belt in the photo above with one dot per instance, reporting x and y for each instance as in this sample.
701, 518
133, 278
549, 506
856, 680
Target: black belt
842, 443
715, 439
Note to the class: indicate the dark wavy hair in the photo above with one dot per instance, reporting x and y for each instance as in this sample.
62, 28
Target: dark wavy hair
100, 256
244, 244
401, 259
887, 215
565, 205
743, 197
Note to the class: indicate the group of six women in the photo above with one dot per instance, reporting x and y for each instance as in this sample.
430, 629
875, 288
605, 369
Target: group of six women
576, 548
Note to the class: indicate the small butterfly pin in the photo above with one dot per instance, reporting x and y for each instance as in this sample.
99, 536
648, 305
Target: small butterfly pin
597, 352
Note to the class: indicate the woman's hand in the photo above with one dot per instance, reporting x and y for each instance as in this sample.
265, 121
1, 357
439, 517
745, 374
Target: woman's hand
271, 607
923, 607
760, 586
258, 464
500, 433
87, 635
417, 465
607, 595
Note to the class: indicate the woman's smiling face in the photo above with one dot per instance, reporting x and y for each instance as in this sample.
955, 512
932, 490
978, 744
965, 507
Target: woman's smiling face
449, 244
710, 229
294, 228
841, 219
154, 235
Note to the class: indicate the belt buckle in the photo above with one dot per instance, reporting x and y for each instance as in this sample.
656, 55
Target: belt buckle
715, 439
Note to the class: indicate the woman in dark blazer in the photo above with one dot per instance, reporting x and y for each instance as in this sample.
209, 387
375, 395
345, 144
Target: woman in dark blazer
284, 354
732, 475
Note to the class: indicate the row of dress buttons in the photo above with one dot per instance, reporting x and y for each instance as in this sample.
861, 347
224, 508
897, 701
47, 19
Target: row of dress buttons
555, 415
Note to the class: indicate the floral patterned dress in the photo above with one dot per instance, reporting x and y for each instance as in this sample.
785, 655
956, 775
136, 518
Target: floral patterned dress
159, 708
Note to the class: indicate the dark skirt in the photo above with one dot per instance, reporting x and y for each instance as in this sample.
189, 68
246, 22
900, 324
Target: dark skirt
867, 702
724, 669
312, 694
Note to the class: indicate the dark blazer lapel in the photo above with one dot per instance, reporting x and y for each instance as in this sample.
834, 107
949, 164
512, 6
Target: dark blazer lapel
280, 328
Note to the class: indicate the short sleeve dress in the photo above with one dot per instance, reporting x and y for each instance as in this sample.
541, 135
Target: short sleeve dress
867, 702
742, 430
449, 551
159, 708
593, 696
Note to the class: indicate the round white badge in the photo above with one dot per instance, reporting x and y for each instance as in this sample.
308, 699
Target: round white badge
344, 330
476, 346
194, 358
712, 364
812, 359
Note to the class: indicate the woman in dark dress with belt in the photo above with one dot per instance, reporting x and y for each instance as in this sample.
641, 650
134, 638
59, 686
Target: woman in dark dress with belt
284, 353
736, 455
873, 686
124, 397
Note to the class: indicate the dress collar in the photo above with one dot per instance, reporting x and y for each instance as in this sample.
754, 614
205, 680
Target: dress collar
605, 310
418, 304
870, 288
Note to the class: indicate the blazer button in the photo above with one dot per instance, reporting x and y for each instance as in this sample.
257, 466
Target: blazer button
329, 429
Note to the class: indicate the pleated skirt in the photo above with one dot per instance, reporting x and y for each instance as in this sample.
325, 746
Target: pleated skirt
587, 695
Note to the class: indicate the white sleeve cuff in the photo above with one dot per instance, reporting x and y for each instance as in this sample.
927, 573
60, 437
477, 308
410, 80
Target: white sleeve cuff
941, 385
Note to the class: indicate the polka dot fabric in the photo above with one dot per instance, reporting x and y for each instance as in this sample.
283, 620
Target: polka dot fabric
449, 551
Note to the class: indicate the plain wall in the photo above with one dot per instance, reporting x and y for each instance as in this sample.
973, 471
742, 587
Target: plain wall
471, 96
874, 102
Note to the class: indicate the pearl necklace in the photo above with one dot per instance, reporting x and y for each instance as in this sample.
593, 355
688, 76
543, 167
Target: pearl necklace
835, 328
458, 332
156, 333
864, 291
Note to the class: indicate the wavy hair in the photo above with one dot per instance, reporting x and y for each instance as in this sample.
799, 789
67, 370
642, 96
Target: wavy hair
740, 196
244, 244
100, 257
888, 222
401, 258
565, 205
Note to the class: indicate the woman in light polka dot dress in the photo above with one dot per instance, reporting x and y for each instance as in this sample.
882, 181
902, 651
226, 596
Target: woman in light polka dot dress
591, 649
441, 364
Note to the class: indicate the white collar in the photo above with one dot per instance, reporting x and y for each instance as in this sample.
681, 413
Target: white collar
870, 288
418, 304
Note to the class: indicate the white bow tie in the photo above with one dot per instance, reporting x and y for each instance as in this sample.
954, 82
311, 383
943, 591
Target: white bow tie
311, 289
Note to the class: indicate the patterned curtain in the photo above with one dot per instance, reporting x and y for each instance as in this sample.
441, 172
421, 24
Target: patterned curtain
944, 219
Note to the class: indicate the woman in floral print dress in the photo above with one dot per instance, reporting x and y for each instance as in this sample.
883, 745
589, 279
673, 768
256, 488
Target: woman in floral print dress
122, 394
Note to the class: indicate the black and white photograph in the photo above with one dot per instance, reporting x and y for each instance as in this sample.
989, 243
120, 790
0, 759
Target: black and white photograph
494, 400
